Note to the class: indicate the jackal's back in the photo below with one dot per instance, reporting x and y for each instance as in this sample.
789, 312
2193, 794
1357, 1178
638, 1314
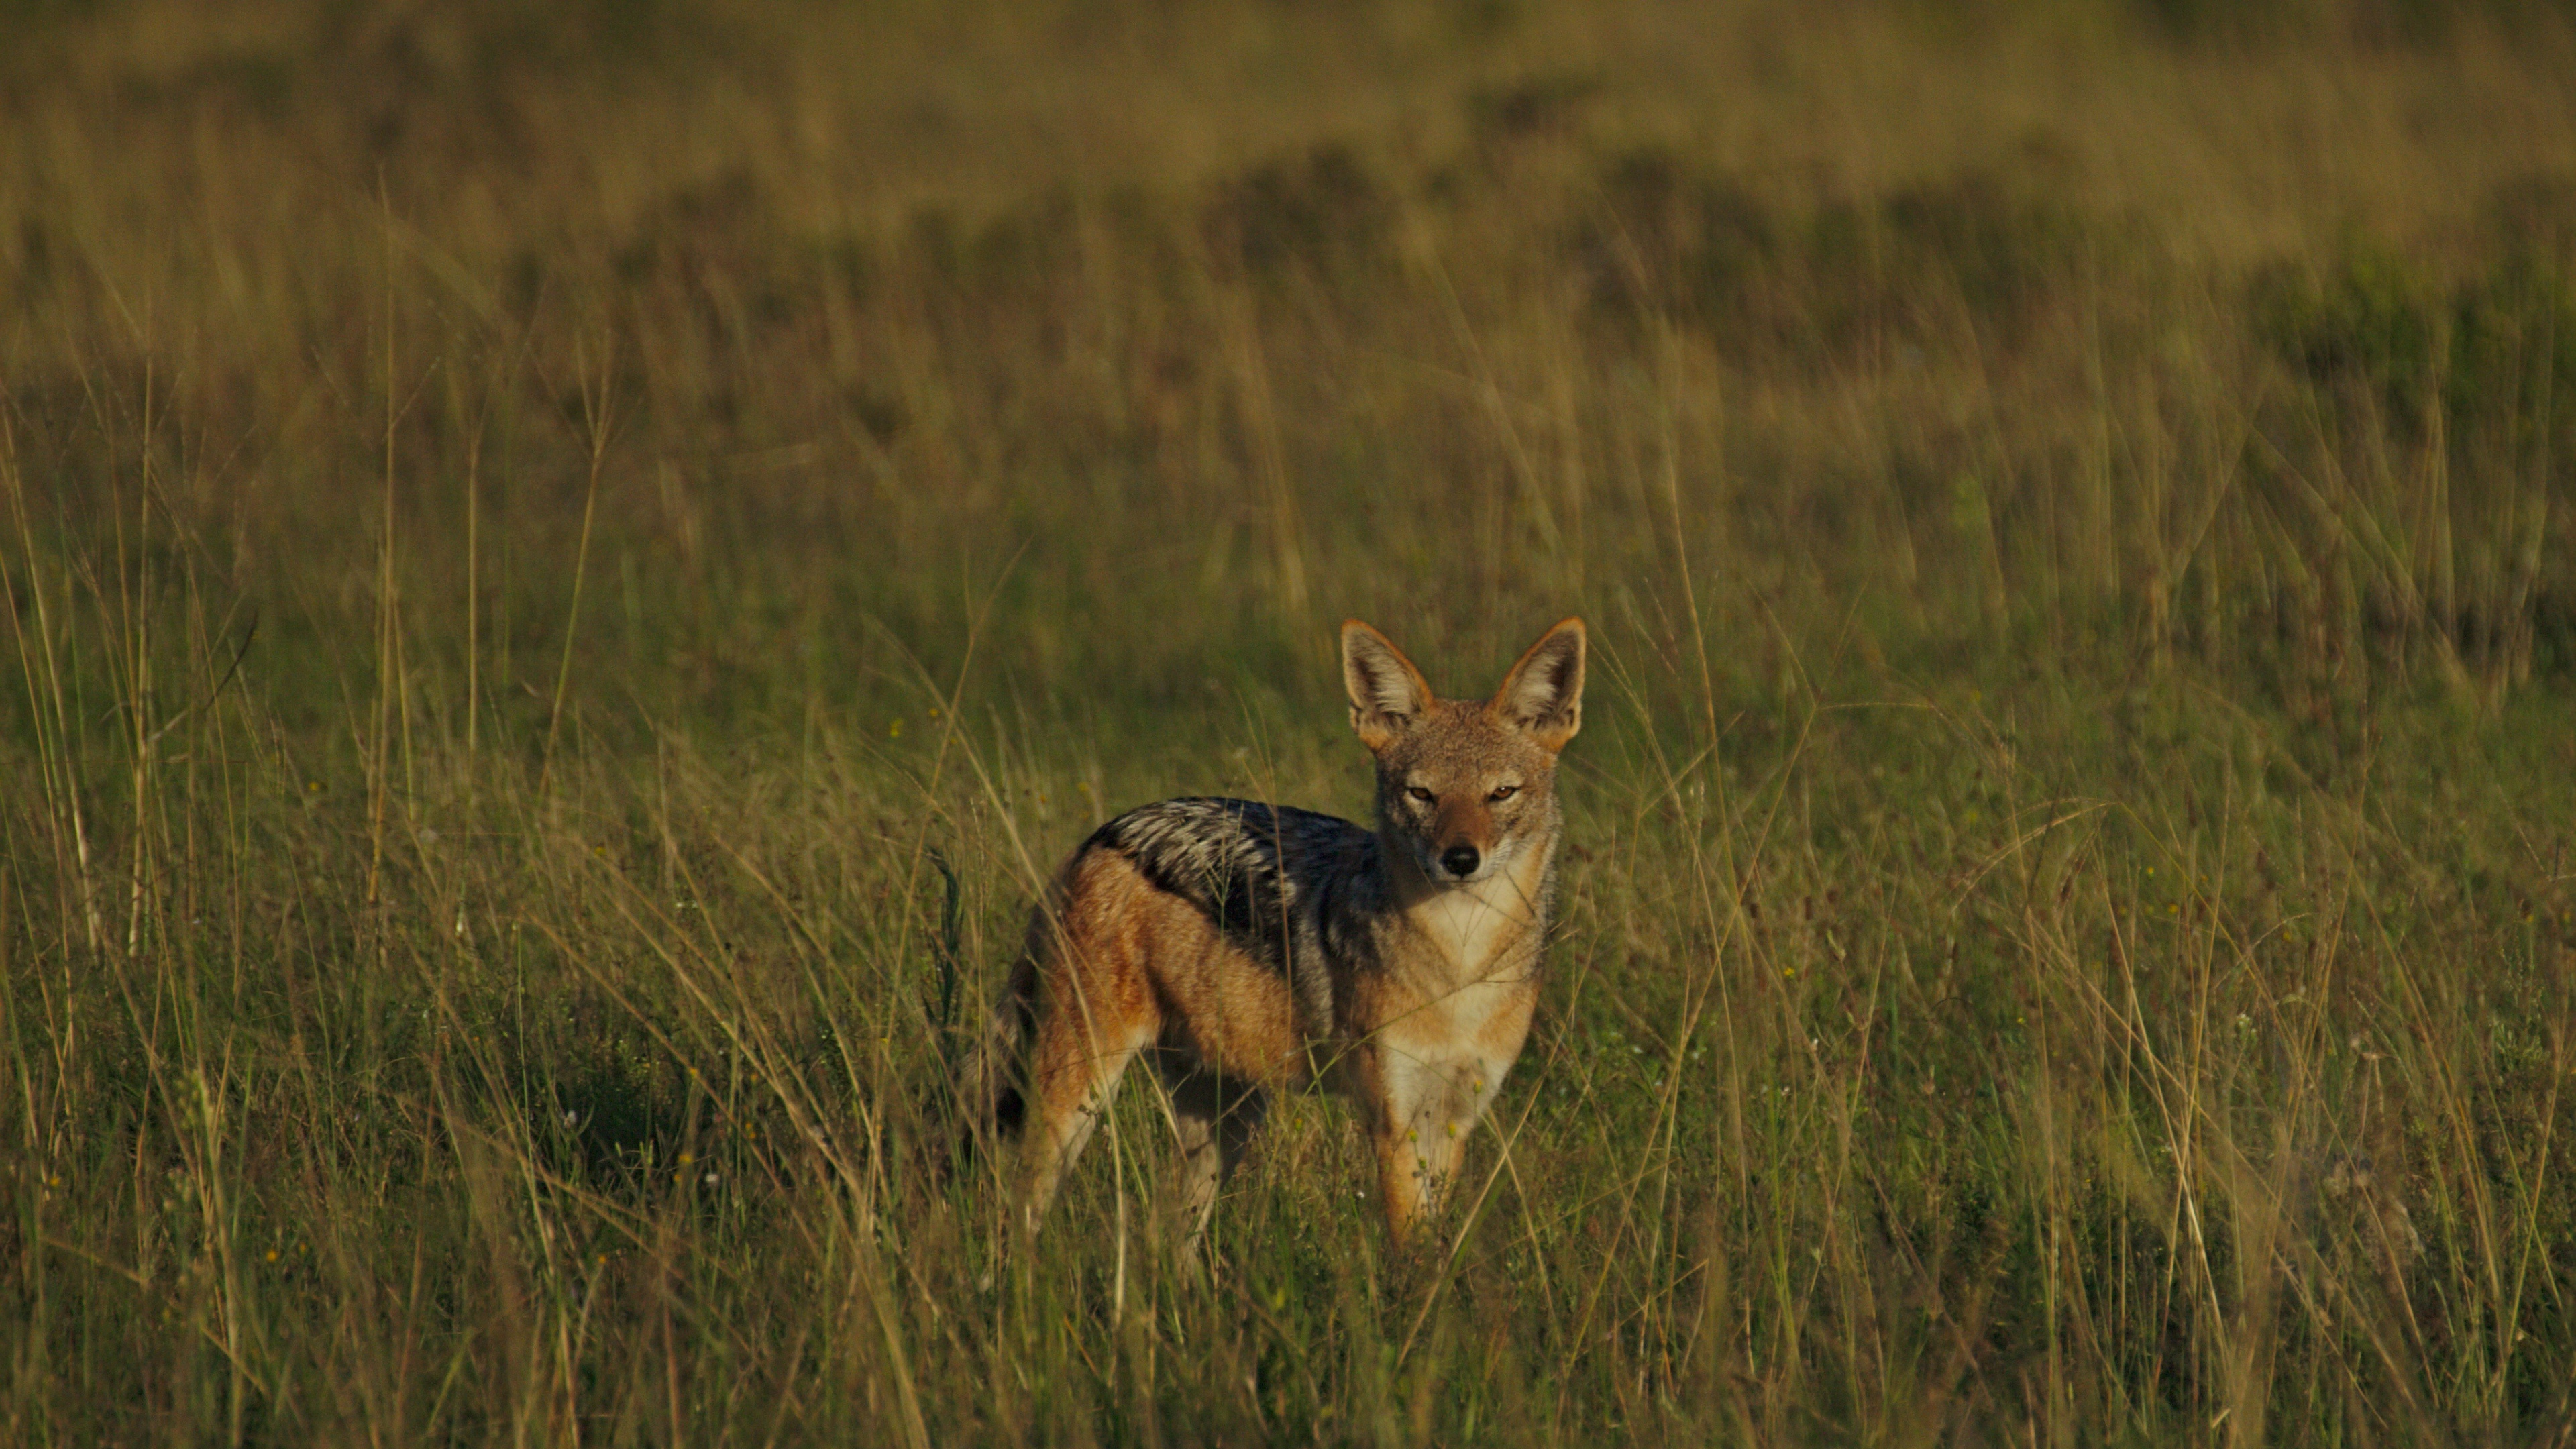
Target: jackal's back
1279, 884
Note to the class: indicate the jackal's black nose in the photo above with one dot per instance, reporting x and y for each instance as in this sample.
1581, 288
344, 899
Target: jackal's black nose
1459, 860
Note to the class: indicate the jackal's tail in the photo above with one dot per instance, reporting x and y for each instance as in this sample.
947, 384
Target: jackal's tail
989, 1085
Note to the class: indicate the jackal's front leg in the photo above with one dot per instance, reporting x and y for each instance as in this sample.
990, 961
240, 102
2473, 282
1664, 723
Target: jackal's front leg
1413, 1175
1424, 1110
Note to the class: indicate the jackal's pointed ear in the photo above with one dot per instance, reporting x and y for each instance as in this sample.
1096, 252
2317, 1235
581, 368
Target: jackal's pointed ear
1388, 695
1544, 693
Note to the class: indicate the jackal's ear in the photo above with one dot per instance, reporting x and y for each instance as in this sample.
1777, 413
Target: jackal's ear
1544, 693
1388, 695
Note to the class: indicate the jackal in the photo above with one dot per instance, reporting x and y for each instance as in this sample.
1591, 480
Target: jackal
1244, 948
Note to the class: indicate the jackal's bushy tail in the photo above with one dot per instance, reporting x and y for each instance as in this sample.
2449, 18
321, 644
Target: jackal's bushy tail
989, 1091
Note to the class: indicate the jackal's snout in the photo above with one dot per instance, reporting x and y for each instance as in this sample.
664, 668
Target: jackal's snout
1460, 860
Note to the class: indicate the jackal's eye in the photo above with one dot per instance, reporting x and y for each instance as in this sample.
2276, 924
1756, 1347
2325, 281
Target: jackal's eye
1418, 793
1504, 792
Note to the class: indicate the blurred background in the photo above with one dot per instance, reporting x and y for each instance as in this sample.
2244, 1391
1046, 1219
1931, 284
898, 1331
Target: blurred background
2089, 328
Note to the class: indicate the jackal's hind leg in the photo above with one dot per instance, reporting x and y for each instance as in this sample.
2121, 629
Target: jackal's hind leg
1216, 1120
1072, 1076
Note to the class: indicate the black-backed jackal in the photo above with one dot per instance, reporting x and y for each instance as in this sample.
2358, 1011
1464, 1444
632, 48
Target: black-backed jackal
1244, 948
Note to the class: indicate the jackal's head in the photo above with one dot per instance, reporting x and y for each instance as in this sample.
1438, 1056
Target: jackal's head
1466, 785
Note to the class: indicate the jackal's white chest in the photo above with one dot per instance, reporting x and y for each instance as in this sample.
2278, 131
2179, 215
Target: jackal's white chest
1468, 971
1480, 932
1441, 1061
1467, 931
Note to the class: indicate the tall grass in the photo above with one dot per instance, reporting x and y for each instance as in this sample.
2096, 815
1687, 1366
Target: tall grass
571, 575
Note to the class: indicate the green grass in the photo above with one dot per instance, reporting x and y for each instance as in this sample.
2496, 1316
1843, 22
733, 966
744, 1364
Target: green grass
569, 577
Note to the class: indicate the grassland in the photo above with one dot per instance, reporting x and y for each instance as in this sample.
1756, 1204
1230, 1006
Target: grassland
570, 569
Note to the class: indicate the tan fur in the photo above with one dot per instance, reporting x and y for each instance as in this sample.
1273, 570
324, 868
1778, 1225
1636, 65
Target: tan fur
1402, 969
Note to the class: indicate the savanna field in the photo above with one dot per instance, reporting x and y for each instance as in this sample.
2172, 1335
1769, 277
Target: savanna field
571, 570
